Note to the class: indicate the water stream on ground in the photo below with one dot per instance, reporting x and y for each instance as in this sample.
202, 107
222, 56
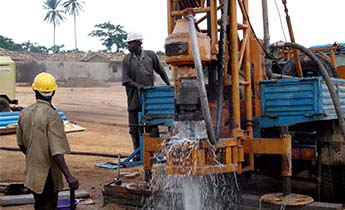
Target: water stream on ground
185, 191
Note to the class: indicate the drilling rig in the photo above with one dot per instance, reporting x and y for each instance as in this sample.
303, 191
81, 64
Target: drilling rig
265, 109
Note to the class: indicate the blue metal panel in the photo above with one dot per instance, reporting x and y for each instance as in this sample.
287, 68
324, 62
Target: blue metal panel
291, 101
328, 107
157, 105
157, 109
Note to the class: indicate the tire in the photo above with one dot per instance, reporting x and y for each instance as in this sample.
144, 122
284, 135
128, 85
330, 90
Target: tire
4, 105
328, 192
309, 67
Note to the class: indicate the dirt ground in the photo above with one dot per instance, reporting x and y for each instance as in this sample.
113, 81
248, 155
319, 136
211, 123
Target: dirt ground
102, 111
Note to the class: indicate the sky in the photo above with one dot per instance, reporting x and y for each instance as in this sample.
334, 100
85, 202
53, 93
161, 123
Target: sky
314, 22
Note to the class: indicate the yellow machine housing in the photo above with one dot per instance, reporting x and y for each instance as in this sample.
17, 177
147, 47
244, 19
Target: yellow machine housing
178, 46
7, 79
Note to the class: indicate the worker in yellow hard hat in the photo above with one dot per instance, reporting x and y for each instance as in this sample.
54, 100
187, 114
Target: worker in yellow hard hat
137, 72
41, 137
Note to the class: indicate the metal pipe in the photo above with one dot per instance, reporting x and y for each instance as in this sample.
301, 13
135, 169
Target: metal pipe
292, 39
265, 25
325, 76
268, 61
214, 30
286, 163
221, 68
201, 85
248, 88
235, 85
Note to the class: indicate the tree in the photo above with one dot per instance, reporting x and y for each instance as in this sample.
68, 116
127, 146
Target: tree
110, 34
33, 47
9, 44
159, 52
57, 49
54, 14
28, 46
73, 7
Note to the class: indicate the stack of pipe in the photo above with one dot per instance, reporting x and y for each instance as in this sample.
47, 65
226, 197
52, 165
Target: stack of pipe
11, 118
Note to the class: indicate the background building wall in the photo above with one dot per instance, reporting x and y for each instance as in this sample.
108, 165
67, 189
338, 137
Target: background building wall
65, 72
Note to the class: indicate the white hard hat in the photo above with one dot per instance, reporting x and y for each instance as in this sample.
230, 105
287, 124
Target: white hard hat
134, 36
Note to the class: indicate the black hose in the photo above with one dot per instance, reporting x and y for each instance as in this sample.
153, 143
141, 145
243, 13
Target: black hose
325, 76
220, 88
73, 153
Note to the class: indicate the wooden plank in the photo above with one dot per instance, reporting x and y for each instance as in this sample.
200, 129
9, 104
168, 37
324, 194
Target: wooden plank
124, 196
7, 131
71, 127
12, 200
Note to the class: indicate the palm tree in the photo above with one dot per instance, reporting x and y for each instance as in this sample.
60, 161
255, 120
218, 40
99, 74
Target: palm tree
54, 14
73, 7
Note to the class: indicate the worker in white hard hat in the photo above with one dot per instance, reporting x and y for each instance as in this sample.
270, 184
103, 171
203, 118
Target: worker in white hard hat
137, 72
41, 137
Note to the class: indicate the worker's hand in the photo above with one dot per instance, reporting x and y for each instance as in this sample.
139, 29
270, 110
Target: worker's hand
73, 182
140, 87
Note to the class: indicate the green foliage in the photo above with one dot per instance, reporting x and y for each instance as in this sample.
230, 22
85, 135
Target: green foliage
54, 14
159, 52
56, 49
73, 7
9, 44
110, 35
33, 47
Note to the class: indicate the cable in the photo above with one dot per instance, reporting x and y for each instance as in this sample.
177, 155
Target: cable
280, 20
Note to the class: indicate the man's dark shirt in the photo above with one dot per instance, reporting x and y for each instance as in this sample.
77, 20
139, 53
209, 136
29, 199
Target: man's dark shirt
139, 70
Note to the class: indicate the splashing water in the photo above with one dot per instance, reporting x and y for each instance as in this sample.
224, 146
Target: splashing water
187, 192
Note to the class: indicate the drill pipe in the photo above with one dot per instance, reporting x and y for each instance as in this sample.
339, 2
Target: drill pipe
201, 85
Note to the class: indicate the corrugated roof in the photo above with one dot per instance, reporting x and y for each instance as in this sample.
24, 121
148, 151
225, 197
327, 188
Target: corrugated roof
23, 56
69, 57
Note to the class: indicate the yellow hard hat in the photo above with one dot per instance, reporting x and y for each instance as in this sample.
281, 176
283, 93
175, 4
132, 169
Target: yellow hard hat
44, 82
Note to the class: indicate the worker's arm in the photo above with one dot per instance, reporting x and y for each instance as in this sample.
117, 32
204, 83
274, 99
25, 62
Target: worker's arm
165, 78
60, 162
58, 145
157, 66
19, 135
134, 84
